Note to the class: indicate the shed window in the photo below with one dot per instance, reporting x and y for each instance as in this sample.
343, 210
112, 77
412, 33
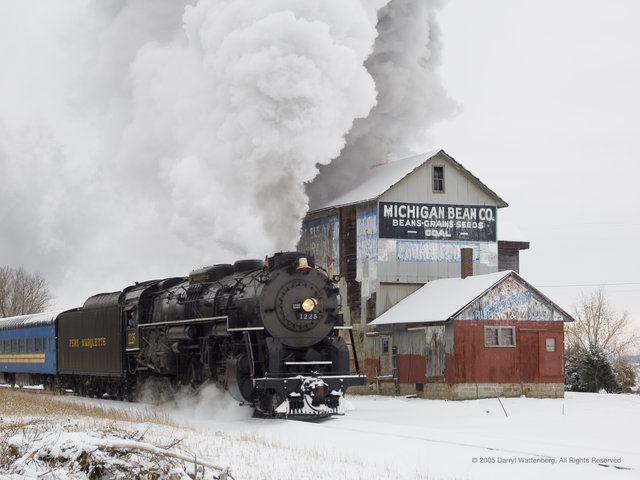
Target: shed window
551, 344
438, 179
499, 337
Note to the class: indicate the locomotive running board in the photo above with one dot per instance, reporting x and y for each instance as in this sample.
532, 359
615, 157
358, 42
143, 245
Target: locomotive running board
182, 322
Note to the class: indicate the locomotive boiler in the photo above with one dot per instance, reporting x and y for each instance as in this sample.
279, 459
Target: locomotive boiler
267, 331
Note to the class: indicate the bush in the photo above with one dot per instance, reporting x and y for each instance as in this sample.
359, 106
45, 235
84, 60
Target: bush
625, 375
589, 370
572, 358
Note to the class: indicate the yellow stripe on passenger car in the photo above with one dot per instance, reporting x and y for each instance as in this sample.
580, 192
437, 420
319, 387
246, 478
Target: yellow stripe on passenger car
23, 358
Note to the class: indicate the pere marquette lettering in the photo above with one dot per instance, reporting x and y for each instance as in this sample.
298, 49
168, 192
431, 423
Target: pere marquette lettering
88, 342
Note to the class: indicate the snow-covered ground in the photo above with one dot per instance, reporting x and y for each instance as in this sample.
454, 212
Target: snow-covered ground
581, 436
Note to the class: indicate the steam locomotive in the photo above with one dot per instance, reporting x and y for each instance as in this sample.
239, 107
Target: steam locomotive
267, 331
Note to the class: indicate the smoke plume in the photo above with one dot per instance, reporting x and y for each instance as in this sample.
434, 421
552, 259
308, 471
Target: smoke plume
141, 139
410, 98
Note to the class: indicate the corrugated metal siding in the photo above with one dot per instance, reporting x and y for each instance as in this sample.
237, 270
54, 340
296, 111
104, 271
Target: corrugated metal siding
348, 261
321, 238
510, 300
551, 363
421, 353
392, 293
411, 369
417, 185
379, 272
435, 343
367, 259
437, 258
527, 361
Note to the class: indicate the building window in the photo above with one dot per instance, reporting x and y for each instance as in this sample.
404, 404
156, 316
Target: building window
385, 345
499, 337
551, 344
438, 179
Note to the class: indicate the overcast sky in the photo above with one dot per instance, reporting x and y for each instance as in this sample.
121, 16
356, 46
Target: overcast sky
138, 142
550, 103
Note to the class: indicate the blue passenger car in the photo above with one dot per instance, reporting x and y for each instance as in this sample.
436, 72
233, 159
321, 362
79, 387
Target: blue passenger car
28, 349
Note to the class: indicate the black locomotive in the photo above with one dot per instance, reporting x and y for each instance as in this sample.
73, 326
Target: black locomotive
268, 331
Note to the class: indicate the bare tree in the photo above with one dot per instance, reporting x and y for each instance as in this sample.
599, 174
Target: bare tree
598, 324
22, 293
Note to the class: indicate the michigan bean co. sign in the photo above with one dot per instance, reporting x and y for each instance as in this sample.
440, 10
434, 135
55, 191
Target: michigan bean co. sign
427, 221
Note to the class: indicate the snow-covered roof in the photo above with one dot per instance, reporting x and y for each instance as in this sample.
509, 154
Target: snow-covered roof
27, 321
381, 178
445, 299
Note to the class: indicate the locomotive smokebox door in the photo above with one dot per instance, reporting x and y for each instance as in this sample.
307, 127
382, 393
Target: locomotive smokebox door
131, 340
302, 307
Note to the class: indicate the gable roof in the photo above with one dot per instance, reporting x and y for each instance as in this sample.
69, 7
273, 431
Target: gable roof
381, 178
452, 298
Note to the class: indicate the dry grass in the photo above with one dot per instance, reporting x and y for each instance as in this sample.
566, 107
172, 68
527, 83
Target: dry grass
8, 451
28, 417
17, 403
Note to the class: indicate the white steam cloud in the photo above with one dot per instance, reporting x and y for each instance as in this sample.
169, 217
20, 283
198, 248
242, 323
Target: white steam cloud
410, 98
140, 139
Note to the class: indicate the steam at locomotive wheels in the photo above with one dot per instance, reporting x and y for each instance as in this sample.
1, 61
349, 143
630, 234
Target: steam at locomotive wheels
267, 331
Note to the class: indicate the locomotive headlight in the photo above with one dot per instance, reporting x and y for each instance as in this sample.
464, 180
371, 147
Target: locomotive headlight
309, 304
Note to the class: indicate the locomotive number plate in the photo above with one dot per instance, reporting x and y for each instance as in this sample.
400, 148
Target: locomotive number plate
308, 316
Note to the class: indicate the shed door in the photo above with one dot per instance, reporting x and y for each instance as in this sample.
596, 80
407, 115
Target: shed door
386, 358
435, 351
528, 347
551, 354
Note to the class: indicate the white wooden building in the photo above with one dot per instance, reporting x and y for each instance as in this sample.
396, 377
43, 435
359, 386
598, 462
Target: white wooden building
403, 226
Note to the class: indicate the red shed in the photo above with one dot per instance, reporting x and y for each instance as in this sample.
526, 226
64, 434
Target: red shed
482, 336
